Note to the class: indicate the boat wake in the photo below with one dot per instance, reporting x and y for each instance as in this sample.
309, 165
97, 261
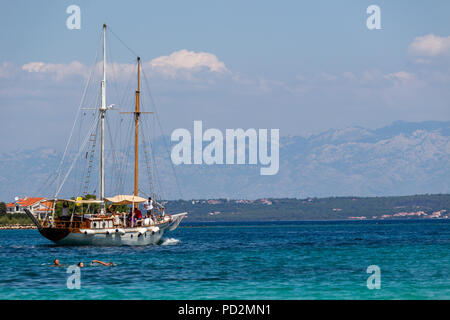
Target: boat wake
169, 242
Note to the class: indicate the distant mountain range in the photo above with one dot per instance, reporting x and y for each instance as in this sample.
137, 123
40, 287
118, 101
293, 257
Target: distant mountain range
403, 158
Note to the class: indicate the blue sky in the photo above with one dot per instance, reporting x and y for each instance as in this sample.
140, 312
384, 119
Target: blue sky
300, 66
250, 35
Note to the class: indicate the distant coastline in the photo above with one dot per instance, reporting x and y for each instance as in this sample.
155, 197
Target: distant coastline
415, 207
427, 206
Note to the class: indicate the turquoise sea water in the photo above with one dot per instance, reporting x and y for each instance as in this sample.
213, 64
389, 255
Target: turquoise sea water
290, 260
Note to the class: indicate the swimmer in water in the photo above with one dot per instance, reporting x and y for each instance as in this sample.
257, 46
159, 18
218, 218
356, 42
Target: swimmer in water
56, 263
102, 263
81, 264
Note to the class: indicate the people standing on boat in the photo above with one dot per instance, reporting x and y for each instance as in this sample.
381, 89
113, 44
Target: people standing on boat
130, 217
161, 211
149, 206
138, 213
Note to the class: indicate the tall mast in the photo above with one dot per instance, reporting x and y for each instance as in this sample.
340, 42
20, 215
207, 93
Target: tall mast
137, 114
102, 123
136, 131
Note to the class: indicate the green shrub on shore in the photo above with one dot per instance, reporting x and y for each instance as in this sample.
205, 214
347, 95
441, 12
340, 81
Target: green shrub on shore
14, 218
2, 208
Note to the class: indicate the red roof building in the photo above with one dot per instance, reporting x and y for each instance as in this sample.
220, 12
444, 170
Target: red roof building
34, 204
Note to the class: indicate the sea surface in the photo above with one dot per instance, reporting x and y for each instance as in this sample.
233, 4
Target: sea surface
273, 260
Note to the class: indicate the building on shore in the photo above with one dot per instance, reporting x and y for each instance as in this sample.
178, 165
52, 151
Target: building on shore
37, 205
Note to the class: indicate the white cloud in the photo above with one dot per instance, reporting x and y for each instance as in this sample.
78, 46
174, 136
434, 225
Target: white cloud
118, 70
187, 61
430, 46
182, 63
402, 76
59, 71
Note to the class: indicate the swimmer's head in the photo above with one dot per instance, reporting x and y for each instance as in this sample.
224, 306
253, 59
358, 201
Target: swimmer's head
56, 262
81, 264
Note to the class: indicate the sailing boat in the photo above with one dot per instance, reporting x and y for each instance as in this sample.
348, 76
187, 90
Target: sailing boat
102, 228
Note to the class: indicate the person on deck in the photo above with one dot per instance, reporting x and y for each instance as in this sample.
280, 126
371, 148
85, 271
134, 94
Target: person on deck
149, 207
130, 217
138, 213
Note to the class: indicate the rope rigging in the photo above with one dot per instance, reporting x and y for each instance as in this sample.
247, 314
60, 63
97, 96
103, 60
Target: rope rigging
147, 164
162, 133
120, 135
93, 140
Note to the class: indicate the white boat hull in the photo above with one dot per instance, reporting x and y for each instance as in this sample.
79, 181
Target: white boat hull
131, 237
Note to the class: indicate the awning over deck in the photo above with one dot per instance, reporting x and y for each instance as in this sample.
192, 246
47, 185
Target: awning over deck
126, 199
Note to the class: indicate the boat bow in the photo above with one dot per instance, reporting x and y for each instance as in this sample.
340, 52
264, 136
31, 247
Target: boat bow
176, 219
